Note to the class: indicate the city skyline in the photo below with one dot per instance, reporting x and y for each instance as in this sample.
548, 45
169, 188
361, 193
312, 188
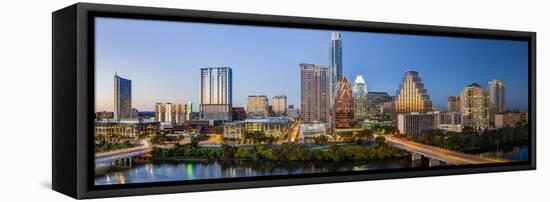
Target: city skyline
177, 78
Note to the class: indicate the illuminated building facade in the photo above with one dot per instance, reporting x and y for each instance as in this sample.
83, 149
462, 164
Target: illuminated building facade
411, 95
475, 107
270, 126
343, 106
314, 94
125, 128
360, 98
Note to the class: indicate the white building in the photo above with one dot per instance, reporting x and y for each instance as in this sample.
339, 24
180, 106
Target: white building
312, 130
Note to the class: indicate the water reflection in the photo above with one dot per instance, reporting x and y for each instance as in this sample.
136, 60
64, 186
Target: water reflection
193, 170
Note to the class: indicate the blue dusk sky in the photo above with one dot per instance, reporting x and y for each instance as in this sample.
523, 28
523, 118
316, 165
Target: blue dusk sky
163, 59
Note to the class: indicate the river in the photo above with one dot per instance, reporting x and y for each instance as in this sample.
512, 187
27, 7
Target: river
196, 170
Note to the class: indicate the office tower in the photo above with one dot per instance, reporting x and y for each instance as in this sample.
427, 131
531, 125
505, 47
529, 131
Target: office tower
336, 65
216, 93
411, 95
343, 106
360, 98
279, 105
475, 107
180, 111
189, 110
315, 100
496, 99
164, 112
123, 98
453, 103
414, 122
257, 106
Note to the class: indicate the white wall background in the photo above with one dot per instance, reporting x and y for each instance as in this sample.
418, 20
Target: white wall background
25, 99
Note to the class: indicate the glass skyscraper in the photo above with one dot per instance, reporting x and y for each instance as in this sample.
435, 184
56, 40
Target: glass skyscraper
496, 96
336, 68
122, 98
216, 93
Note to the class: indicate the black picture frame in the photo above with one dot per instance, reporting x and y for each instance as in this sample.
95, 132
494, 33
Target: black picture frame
73, 99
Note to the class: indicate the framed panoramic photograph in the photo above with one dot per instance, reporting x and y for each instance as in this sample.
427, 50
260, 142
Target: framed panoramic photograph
153, 100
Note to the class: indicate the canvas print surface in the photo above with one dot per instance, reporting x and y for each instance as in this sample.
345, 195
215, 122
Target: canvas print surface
181, 101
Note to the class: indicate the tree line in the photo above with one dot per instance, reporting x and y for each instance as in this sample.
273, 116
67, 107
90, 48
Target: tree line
284, 152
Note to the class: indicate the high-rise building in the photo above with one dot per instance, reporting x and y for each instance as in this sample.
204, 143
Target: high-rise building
336, 64
475, 107
164, 112
315, 100
343, 106
360, 98
257, 106
216, 93
411, 95
180, 113
279, 105
453, 103
496, 99
188, 110
123, 98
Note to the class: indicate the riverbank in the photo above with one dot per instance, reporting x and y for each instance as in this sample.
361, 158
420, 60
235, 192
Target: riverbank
374, 150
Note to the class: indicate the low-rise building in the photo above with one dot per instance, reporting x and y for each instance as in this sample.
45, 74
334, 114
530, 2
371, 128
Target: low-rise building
312, 130
270, 126
126, 128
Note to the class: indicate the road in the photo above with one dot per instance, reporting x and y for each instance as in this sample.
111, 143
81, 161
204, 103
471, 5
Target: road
451, 157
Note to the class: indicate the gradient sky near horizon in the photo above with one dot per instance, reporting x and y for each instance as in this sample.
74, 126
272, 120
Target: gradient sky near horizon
162, 58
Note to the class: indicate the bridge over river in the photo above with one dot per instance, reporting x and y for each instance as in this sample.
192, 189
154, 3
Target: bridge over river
437, 154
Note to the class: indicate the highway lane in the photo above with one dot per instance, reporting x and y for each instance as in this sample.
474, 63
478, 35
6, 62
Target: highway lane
451, 157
